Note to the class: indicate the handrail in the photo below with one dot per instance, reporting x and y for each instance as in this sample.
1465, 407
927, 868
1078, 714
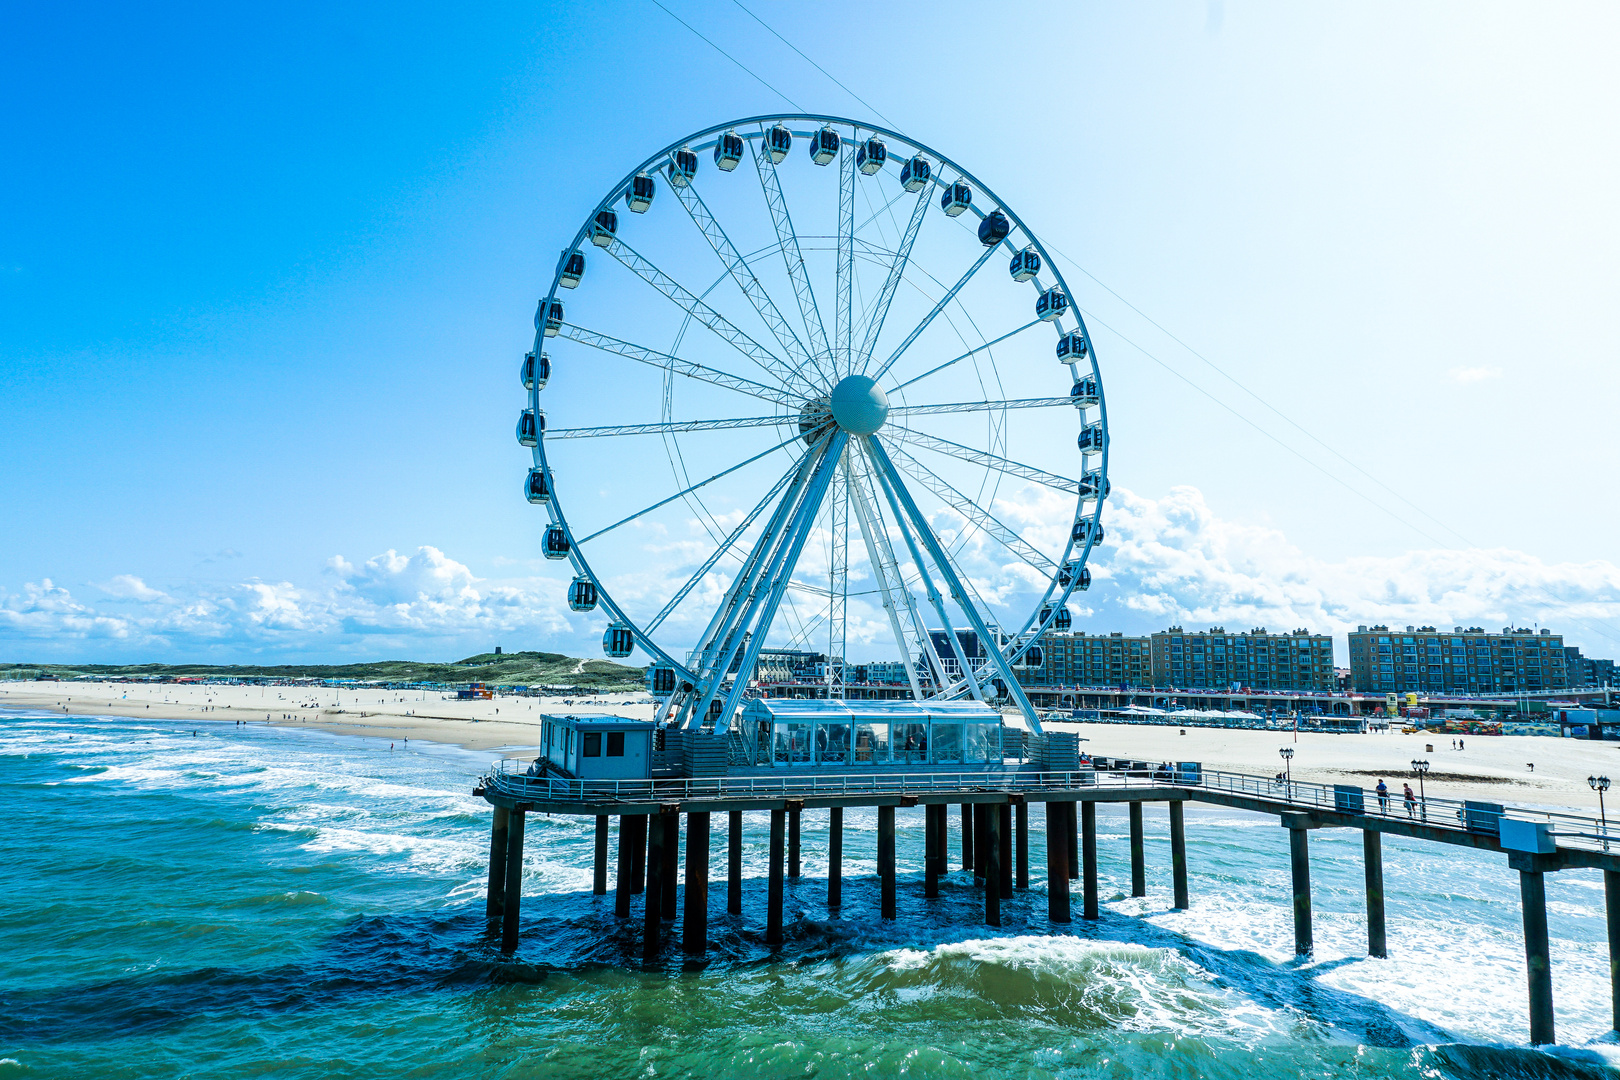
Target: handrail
1454, 815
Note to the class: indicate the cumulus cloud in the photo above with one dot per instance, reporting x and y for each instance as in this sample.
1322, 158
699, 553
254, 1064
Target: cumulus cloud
421, 600
1166, 561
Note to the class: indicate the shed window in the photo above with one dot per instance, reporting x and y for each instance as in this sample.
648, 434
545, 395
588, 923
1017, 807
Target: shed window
592, 744
615, 744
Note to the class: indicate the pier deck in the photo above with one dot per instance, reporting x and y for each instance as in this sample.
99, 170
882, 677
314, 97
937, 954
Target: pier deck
996, 804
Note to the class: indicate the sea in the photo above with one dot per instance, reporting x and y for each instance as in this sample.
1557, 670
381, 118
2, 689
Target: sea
198, 899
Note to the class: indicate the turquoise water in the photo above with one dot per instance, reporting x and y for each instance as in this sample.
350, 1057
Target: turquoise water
266, 902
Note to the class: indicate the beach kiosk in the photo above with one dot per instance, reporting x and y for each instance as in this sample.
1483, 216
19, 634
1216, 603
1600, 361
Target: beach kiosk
590, 747
811, 733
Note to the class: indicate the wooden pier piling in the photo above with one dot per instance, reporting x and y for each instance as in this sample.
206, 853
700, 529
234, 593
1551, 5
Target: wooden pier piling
497, 864
967, 836
513, 898
1138, 851
1071, 837
1611, 901
1372, 844
734, 853
1178, 854
992, 864
638, 853
1088, 837
835, 857
695, 928
599, 878
1537, 955
1004, 843
933, 847
885, 859
671, 823
1057, 869
773, 896
795, 811
1299, 864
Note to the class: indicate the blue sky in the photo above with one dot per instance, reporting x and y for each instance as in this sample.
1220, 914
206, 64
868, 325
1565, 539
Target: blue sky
264, 280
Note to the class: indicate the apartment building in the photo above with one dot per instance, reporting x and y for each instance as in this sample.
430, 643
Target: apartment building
1465, 661
1586, 670
1255, 659
1080, 659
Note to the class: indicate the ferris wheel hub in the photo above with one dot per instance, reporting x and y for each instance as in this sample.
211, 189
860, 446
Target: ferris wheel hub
859, 405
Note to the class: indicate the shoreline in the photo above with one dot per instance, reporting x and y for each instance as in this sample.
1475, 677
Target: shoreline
1489, 768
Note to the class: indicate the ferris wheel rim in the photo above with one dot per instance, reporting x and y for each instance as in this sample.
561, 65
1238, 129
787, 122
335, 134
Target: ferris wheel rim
1075, 554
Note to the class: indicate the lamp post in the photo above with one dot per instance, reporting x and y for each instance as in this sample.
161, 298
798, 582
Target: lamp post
1421, 767
1600, 784
1287, 753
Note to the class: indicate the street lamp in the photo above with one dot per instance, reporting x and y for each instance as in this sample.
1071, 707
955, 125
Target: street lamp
1287, 753
1600, 784
1421, 767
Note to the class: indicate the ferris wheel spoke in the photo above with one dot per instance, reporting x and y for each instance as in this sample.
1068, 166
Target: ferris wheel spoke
966, 355
980, 406
725, 546
687, 490
953, 580
789, 242
939, 307
741, 273
838, 578
662, 361
671, 428
843, 324
701, 312
880, 311
978, 515
913, 437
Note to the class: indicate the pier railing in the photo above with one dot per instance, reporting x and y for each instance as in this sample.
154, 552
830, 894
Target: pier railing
1570, 830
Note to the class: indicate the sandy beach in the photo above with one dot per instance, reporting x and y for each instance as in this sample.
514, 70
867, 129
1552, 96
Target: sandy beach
1495, 768
508, 725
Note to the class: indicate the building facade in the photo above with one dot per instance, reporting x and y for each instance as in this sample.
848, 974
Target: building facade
1081, 659
1464, 661
1254, 659
1587, 671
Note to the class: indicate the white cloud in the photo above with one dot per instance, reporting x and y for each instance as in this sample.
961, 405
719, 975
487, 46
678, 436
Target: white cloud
1466, 375
130, 587
1166, 561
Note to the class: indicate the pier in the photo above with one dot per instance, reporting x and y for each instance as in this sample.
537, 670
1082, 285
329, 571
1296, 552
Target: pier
995, 807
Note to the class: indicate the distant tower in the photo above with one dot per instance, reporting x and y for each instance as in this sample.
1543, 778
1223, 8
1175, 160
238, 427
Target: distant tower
497, 650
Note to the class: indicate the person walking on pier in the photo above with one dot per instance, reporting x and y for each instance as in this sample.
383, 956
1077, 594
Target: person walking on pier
1383, 796
1411, 801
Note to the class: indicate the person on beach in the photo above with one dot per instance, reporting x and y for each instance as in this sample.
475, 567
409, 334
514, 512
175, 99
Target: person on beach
1383, 796
1411, 800
1459, 744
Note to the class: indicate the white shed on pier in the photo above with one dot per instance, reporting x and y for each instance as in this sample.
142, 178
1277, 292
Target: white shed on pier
590, 747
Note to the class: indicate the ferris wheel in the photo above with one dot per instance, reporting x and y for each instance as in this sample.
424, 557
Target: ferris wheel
818, 389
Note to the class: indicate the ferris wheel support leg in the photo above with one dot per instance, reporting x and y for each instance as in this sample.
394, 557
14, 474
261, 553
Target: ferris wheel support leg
958, 591
934, 598
881, 570
733, 605
819, 482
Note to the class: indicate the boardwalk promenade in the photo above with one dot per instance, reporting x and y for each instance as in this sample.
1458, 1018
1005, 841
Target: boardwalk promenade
995, 805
